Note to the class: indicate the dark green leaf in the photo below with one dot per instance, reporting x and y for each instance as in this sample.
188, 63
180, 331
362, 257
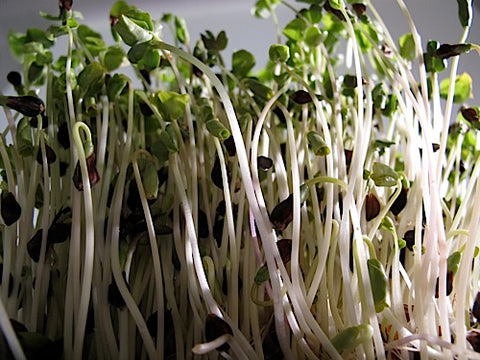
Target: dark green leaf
242, 62
453, 261
35, 71
113, 58
260, 90
115, 86
432, 62
92, 78
262, 275
217, 129
40, 36
464, 12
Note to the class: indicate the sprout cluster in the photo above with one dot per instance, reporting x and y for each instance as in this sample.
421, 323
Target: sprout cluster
322, 207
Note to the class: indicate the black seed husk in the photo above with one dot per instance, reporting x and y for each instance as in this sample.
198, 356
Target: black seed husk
202, 224
476, 307
216, 327
301, 97
285, 249
230, 146
372, 207
216, 174
282, 214
26, 105
34, 245
50, 154
10, 208
264, 163
14, 78
400, 202
93, 175
62, 135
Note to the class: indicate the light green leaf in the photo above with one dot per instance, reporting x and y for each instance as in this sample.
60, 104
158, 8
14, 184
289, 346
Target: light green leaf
407, 46
351, 337
463, 88
295, 29
217, 129
383, 175
317, 144
379, 284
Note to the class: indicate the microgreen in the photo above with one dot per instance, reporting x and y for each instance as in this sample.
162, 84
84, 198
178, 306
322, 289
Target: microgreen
321, 207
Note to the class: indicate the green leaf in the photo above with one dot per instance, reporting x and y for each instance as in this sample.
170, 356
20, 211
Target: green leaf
313, 36
115, 86
387, 224
407, 46
167, 137
120, 7
295, 29
113, 58
138, 51
217, 129
433, 63
381, 145
351, 337
16, 42
172, 104
464, 12
150, 179
313, 14
318, 145
58, 30
35, 71
49, 16
379, 284
92, 78
260, 90
279, 53
383, 175
91, 39
463, 88
24, 138
39, 36
263, 8
150, 60
215, 44
130, 31
262, 275
181, 30
242, 62
453, 262
336, 4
